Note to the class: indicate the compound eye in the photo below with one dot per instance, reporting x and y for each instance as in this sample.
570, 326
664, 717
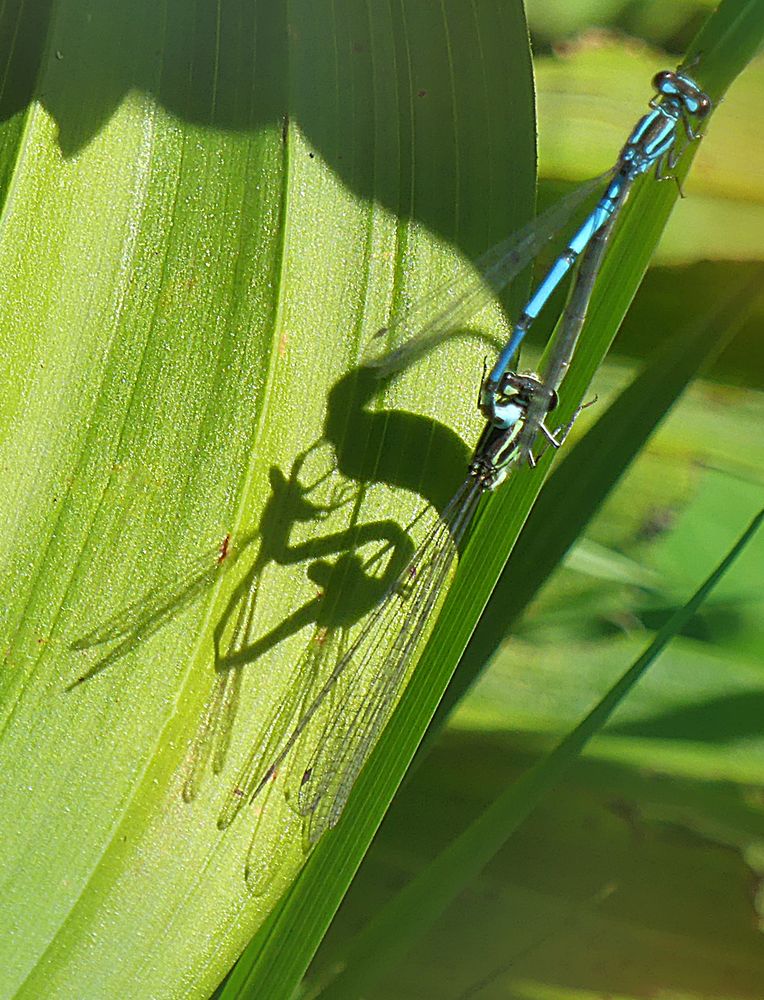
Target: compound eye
553, 401
704, 106
665, 82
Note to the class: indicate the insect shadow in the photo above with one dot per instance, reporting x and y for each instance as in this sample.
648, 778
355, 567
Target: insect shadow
396, 448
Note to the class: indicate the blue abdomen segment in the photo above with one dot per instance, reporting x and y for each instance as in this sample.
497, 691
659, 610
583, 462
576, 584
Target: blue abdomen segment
594, 222
554, 276
651, 145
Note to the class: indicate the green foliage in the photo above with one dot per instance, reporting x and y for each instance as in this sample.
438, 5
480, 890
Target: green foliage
207, 212
391, 933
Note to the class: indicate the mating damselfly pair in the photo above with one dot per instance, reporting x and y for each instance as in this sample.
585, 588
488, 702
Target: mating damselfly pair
340, 716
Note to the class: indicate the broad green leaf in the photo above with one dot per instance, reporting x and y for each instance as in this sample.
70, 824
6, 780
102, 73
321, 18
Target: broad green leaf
209, 211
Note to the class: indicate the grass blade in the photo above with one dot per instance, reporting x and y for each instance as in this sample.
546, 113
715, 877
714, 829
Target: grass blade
400, 924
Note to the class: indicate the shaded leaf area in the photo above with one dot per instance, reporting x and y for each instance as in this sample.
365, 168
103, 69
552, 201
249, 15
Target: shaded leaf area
208, 213
605, 889
243, 68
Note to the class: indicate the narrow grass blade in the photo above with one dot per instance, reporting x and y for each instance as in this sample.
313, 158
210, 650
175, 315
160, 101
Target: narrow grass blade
402, 922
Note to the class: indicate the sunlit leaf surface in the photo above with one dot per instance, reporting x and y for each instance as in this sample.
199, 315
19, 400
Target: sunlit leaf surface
208, 211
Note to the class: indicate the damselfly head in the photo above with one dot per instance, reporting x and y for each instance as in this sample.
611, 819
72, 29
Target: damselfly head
498, 448
518, 388
519, 384
683, 91
505, 404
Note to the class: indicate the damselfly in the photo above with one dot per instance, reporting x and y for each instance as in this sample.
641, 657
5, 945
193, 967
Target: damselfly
677, 109
347, 713
375, 667
367, 679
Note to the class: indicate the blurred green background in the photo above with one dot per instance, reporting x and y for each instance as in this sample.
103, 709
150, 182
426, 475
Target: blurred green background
641, 876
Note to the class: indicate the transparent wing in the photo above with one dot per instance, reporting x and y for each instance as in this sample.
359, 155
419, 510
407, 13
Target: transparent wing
426, 324
379, 658
279, 831
344, 716
377, 668
295, 703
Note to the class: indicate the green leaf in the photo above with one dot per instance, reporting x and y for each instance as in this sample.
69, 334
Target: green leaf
208, 210
399, 925
208, 214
